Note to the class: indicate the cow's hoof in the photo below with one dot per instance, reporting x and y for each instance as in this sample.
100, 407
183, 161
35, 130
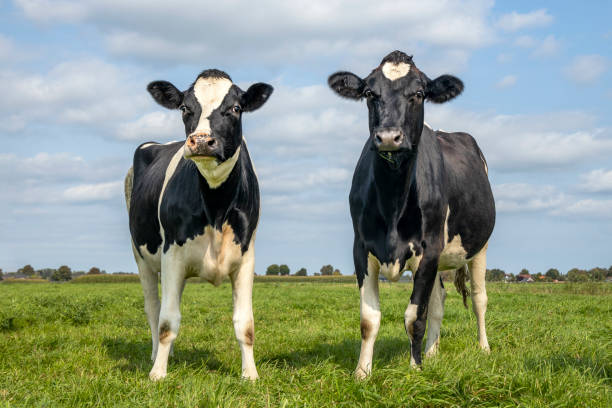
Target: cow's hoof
251, 376
361, 374
433, 350
155, 375
414, 365
485, 349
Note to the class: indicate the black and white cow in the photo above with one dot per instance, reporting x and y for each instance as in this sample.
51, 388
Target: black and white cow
420, 200
194, 207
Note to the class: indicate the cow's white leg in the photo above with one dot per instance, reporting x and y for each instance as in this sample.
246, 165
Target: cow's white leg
242, 293
370, 318
435, 313
173, 277
180, 300
148, 280
477, 269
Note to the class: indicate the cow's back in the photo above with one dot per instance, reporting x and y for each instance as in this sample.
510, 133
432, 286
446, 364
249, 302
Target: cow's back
151, 161
471, 212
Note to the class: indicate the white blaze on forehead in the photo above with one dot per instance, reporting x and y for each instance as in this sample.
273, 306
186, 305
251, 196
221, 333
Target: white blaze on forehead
395, 71
210, 93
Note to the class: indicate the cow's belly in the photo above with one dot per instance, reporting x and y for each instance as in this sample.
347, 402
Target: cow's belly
212, 255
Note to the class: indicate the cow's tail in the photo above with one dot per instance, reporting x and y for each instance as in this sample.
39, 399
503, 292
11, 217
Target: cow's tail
129, 183
461, 276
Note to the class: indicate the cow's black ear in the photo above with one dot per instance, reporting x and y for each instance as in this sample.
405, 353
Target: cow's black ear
443, 88
346, 84
255, 96
165, 94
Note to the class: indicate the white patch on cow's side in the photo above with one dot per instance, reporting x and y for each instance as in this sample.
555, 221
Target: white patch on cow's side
454, 254
144, 146
394, 71
214, 172
209, 92
169, 173
212, 255
484, 162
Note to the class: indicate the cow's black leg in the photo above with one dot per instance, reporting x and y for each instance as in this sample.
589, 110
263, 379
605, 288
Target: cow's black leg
415, 317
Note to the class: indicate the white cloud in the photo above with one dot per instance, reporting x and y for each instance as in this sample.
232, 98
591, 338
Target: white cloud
90, 92
156, 126
503, 58
586, 69
276, 31
516, 21
590, 208
597, 181
546, 47
519, 143
93, 192
521, 197
507, 81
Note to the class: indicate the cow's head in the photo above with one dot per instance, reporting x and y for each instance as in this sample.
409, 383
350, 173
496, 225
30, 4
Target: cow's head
211, 108
395, 92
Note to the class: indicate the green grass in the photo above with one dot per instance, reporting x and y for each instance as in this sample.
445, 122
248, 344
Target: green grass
88, 345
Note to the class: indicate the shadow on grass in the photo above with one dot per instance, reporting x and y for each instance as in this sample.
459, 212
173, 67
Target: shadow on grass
345, 353
596, 367
135, 356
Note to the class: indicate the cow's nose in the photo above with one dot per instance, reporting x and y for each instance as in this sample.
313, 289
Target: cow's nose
389, 139
201, 144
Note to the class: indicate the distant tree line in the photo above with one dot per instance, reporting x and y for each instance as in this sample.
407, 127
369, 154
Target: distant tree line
573, 275
63, 273
283, 269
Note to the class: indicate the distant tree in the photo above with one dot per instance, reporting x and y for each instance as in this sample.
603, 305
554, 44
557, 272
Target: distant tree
27, 270
337, 272
577, 275
273, 269
1, 274
597, 274
553, 274
283, 269
45, 273
495, 275
524, 272
63, 273
317, 274
94, 271
327, 270
301, 272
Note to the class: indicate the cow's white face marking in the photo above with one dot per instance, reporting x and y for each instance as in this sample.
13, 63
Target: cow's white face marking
213, 171
209, 92
395, 71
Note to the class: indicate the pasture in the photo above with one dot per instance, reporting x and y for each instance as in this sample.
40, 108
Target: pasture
88, 345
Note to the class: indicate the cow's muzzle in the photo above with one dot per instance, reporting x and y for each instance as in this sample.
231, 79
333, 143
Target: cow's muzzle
389, 139
201, 144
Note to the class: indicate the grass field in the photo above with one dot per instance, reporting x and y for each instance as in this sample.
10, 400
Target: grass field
88, 345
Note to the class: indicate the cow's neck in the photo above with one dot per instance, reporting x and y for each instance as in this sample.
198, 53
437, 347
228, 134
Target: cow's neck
396, 186
218, 201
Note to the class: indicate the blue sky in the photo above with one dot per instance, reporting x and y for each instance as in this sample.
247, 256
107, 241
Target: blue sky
73, 74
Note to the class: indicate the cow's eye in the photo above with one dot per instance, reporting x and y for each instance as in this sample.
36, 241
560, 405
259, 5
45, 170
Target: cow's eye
368, 93
183, 109
420, 94
237, 108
